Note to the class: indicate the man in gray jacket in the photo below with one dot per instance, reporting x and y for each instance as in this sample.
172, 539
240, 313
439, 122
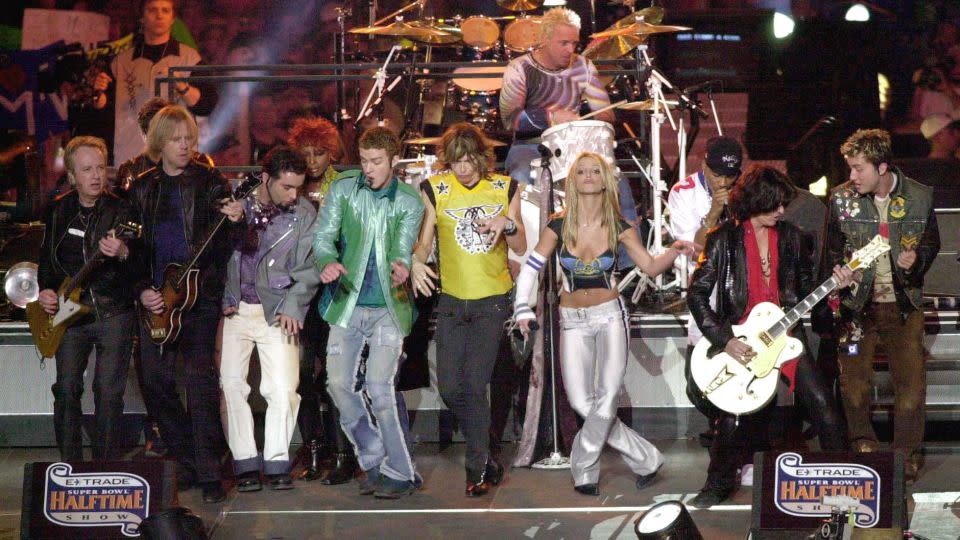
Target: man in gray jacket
263, 308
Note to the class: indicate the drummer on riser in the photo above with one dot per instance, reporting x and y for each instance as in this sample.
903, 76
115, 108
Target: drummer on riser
546, 87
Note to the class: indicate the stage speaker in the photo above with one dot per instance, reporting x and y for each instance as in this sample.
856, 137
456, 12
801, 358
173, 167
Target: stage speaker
105, 499
789, 487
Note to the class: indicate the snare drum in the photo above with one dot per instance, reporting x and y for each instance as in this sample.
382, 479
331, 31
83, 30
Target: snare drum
567, 141
523, 34
479, 32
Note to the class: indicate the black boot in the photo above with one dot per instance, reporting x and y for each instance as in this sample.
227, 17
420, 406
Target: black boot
344, 470
319, 453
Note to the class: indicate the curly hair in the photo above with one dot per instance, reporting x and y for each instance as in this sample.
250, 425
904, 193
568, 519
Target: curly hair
380, 137
874, 144
148, 110
763, 189
464, 139
317, 132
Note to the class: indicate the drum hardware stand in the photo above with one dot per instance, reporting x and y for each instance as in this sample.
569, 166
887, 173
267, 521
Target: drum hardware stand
660, 110
412, 5
380, 88
556, 460
342, 115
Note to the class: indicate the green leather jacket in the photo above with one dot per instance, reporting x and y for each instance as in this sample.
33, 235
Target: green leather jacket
351, 221
911, 221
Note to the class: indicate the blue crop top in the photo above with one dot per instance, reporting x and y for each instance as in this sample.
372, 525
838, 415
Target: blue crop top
580, 274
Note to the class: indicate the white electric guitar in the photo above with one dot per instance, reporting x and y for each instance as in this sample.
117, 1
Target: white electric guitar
742, 389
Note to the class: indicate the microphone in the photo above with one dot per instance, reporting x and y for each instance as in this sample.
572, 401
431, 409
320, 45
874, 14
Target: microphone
700, 87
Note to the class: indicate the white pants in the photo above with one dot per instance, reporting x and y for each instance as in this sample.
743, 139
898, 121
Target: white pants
279, 377
593, 359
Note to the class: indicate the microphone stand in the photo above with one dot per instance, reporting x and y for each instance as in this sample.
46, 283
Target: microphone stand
549, 305
340, 53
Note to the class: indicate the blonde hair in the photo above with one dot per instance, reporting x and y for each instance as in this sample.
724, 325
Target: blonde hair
164, 124
76, 143
557, 16
610, 211
464, 139
874, 144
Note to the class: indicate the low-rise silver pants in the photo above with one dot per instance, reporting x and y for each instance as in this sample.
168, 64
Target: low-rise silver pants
593, 359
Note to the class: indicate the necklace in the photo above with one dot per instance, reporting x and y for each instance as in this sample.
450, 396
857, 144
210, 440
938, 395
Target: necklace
765, 265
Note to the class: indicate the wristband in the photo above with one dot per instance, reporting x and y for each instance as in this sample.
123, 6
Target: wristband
511, 228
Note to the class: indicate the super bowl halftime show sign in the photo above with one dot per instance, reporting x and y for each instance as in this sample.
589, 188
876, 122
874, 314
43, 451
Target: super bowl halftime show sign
106, 499
95, 499
801, 486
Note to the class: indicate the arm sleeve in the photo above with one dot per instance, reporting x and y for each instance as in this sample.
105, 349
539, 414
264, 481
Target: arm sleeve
595, 95
516, 114
402, 248
526, 281
718, 331
927, 250
328, 229
684, 222
305, 276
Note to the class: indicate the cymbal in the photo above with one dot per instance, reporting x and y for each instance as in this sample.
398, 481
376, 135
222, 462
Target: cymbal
454, 34
402, 29
646, 105
641, 28
614, 47
433, 141
519, 5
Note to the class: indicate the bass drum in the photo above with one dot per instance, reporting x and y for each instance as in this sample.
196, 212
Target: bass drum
524, 34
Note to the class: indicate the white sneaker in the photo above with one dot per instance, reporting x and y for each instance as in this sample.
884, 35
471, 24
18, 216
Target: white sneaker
746, 475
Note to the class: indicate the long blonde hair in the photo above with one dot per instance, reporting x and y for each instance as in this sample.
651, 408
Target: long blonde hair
609, 213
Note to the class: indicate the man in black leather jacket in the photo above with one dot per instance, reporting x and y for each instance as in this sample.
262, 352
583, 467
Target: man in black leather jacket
758, 202
79, 228
179, 202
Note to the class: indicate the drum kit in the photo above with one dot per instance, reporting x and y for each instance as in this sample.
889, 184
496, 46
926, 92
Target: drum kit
472, 89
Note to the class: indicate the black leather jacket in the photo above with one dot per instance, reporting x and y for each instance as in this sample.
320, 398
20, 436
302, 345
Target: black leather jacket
109, 289
201, 188
724, 265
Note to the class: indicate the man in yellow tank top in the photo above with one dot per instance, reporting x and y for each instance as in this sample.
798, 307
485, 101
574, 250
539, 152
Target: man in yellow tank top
474, 215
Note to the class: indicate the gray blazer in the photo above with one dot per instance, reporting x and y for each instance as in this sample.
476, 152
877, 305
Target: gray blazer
285, 245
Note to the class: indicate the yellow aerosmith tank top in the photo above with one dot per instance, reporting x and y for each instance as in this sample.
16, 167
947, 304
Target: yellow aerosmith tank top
469, 268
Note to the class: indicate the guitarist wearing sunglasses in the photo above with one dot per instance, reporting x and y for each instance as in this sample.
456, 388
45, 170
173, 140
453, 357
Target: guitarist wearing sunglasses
181, 204
80, 227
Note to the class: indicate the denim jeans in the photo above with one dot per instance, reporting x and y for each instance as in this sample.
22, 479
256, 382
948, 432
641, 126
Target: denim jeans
469, 333
111, 337
593, 360
367, 400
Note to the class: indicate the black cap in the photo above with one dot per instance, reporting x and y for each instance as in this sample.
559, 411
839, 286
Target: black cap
724, 156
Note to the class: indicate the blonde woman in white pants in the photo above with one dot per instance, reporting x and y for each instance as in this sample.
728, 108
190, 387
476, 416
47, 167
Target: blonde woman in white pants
594, 336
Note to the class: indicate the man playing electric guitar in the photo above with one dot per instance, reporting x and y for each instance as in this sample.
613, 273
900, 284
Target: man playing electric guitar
179, 202
757, 257
79, 224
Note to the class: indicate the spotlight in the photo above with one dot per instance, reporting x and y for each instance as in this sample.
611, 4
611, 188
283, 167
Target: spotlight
820, 187
552, 3
857, 13
667, 521
783, 25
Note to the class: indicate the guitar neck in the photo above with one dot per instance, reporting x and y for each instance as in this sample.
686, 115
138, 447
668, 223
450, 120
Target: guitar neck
793, 316
80, 280
196, 254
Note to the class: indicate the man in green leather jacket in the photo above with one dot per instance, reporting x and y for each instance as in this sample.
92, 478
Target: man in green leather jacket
885, 307
368, 224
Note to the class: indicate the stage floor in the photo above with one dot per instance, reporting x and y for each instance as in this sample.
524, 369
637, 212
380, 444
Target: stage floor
533, 504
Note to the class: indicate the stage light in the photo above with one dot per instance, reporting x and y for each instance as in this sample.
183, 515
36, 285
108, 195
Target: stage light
857, 13
820, 187
667, 521
553, 3
783, 25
